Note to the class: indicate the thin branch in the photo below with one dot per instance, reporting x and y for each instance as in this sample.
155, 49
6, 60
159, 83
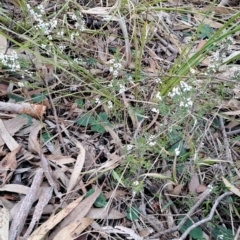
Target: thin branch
207, 219
237, 234
204, 195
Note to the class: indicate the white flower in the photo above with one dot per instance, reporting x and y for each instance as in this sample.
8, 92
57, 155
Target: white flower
177, 152
158, 96
97, 101
73, 88
150, 141
122, 88
155, 110
158, 80
210, 187
192, 71
110, 105
129, 147
136, 183
20, 84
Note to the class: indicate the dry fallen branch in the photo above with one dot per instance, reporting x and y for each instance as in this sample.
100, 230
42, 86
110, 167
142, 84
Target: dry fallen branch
207, 219
204, 195
34, 110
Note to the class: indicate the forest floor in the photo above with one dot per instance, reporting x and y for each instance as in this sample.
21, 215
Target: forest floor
120, 119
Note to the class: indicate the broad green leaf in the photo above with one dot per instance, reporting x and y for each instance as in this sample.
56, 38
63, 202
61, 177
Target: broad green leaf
46, 136
133, 213
79, 103
196, 233
85, 120
15, 97
100, 201
37, 98
29, 118
220, 232
98, 128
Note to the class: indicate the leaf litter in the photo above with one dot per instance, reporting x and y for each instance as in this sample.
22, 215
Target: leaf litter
57, 146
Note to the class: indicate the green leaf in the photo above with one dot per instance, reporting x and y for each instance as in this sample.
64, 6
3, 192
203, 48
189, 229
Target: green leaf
37, 98
196, 233
206, 31
46, 136
85, 120
16, 97
98, 128
29, 118
79, 103
103, 118
133, 213
225, 233
100, 201
117, 178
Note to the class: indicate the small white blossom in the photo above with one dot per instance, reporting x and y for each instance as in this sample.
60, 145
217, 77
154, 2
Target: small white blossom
136, 183
210, 187
158, 96
155, 110
151, 141
110, 105
129, 147
177, 151
158, 80
73, 88
122, 88
192, 71
97, 101
20, 84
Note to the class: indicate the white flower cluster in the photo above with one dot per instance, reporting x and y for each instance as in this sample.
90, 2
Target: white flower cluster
110, 105
158, 80
129, 147
224, 49
10, 60
151, 141
80, 22
45, 27
155, 110
116, 66
97, 101
187, 103
178, 91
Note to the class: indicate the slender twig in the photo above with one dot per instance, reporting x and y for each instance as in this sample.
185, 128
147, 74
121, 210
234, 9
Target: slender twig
56, 118
204, 195
237, 234
207, 219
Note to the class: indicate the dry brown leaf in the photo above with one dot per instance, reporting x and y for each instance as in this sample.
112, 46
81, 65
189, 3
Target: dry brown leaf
193, 184
60, 160
7, 138
78, 167
231, 187
103, 213
14, 125
9, 163
176, 191
234, 104
74, 229
232, 113
41, 231
21, 216
33, 145
44, 198
79, 212
15, 188
201, 188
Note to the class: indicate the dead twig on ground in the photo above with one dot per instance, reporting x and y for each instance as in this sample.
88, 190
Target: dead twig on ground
204, 195
207, 219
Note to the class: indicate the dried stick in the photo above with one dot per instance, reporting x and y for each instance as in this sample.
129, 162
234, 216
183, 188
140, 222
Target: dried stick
204, 195
207, 219
237, 234
56, 119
